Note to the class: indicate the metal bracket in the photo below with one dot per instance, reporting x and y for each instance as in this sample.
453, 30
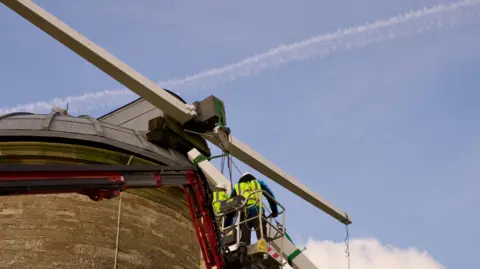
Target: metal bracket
223, 135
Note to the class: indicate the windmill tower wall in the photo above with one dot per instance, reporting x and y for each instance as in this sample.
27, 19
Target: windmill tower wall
70, 231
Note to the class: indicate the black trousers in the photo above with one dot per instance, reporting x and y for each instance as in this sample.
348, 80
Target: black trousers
246, 228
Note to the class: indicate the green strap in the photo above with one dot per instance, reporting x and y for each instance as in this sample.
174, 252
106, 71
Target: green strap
200, 158
295, 253
293, 256
221, 112
288, 237
218, 156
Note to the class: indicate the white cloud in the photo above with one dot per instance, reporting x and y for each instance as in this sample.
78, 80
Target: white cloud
368, 254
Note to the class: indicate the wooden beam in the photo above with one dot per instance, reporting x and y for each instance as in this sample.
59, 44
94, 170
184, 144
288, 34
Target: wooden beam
159, 98
256, 161
99, 57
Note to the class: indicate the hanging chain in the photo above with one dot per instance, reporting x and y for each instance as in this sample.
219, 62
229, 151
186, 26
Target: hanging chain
347, 242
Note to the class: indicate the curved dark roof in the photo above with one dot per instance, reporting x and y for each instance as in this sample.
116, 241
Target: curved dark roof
139, 100
85, 130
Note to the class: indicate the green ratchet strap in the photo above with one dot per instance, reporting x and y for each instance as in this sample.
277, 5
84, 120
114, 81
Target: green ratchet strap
200, 158
294, 254
221, 112
288, 237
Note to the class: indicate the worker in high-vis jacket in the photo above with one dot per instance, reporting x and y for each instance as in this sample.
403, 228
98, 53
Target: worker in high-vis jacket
246, 185
219, 195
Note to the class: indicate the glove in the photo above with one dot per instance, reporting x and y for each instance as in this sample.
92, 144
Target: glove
275, 214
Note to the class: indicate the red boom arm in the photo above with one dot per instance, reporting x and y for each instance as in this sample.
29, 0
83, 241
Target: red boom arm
107, 181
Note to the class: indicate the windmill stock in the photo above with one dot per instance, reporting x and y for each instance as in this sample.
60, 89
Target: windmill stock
160, 98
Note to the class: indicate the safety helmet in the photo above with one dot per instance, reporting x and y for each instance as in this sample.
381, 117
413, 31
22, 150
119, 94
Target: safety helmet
246, 176
221, 186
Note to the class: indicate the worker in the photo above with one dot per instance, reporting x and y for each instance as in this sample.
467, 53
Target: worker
219, 195
246, 185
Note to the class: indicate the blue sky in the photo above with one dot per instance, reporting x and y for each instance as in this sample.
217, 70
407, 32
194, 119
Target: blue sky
388, 132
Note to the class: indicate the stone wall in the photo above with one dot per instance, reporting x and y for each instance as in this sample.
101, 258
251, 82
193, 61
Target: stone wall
69, 231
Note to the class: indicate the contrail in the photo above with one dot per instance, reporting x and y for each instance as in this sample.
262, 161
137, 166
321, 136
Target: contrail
400, 26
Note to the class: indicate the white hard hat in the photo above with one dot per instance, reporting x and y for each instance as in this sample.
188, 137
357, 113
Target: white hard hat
247, 176
221, 186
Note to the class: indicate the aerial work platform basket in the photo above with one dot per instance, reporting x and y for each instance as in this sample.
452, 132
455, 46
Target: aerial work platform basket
239, 252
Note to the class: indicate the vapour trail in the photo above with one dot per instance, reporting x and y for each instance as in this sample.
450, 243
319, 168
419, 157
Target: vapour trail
400, 26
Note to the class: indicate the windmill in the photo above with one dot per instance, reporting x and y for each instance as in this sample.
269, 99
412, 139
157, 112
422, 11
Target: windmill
206, 117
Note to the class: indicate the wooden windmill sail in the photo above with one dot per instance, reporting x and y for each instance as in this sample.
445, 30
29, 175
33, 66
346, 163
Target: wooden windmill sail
152, 94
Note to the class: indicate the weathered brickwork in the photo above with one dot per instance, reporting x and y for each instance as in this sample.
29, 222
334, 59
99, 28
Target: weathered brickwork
70, 231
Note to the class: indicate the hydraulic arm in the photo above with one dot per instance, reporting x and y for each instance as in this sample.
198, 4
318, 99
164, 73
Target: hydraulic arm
107, 181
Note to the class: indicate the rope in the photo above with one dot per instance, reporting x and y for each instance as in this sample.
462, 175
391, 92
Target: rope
118, 229
236, 167
227, 156
230, 170
200, 158
118, 221
217, 156
347, 242
223, 164
130, 160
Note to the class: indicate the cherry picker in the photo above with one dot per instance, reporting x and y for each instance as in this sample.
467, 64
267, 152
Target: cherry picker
97, 181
